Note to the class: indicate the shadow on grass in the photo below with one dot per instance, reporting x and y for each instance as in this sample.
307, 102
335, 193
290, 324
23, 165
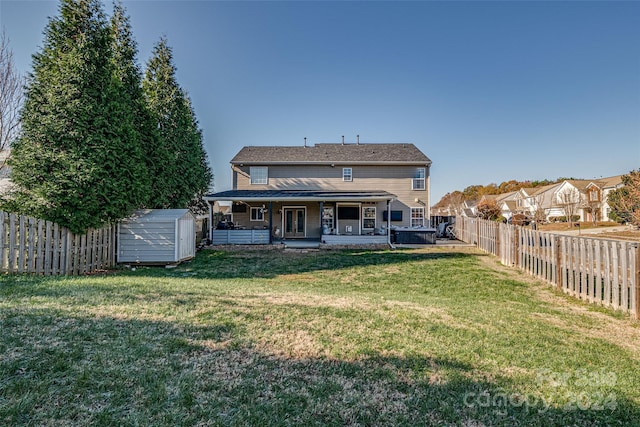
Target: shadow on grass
60, 369
270, 264
157, 284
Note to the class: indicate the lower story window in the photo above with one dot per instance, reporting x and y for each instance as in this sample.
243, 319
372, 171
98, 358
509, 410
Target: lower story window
417, 217
257, 214
327, 218
368, 217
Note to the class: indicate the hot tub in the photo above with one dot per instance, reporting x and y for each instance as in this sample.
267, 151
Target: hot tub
413, 236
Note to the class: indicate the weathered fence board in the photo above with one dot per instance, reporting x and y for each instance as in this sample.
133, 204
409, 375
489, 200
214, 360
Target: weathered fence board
600, 271
29, 245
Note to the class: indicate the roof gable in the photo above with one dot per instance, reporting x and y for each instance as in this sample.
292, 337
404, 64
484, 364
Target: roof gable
396, 153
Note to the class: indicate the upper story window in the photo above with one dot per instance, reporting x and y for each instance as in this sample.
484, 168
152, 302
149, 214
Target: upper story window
259, 174
593, 196
347, 174
418, 182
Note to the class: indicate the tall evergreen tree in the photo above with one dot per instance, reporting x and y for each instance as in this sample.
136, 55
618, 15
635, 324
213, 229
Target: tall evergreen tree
77, 161
180, 170
128, 72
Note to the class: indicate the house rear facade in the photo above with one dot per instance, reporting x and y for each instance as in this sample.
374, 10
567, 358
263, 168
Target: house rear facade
328, 190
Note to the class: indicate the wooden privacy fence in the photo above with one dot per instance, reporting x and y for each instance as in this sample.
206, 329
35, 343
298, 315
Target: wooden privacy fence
601, 271
29, 245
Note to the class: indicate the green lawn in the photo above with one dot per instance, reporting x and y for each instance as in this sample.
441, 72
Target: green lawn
356, 337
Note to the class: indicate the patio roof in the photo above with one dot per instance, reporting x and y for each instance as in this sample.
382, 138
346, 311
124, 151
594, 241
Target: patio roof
299, 195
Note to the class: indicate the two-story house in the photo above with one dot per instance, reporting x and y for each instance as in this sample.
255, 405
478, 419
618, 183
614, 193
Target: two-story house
335, 193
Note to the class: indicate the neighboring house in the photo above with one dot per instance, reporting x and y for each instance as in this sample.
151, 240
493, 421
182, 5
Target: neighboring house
522, 200
578, 197
327, 190
469, 209
609, 184
541, 202
5, 173
508, 207
506, 202
223, 212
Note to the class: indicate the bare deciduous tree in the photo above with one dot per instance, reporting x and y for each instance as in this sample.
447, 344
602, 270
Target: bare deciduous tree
594, 204
569, 201
539, 211
11, 96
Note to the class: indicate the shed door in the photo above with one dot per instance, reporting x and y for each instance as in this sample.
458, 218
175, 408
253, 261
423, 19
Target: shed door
187, 239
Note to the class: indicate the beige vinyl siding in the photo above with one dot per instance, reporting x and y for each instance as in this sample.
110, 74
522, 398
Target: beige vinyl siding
312, 219
395, 179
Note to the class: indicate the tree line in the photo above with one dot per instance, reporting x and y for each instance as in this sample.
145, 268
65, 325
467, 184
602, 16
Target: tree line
99, 138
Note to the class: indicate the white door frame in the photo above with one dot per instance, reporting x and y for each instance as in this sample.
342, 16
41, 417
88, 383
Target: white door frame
284, 218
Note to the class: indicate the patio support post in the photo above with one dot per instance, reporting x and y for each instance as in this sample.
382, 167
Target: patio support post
389, 222
270, 222
321, 215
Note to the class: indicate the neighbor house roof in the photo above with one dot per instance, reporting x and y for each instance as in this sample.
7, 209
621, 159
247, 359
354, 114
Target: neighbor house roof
612, 181
488, 197
333, 154
511, 205
582, 184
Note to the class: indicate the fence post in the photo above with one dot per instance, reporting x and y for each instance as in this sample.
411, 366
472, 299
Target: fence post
516, 246
558, 262
2, 241
12, 243
68, 250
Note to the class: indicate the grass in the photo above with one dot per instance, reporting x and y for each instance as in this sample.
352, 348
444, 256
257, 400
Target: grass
631, 235
585, 225
355, 337
606, 230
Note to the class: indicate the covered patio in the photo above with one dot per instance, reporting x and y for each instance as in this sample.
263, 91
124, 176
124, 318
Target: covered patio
330, 217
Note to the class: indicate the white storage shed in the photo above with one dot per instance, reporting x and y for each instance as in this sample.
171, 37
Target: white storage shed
157, 236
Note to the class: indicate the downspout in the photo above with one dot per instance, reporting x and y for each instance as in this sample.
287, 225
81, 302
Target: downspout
210, 222
428, 207
321, 225
389, 225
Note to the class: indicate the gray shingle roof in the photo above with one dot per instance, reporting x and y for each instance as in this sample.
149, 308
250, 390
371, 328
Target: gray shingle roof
281, 195
332, 153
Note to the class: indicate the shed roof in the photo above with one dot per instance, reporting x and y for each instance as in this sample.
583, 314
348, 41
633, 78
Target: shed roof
395, 153
155, 215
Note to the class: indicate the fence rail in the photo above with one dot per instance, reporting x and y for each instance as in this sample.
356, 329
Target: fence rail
29, 245
600, 271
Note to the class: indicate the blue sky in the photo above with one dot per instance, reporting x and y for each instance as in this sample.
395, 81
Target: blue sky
490, 91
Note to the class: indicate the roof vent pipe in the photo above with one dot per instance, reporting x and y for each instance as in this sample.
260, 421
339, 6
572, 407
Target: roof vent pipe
305, 141
342, 139
358, 139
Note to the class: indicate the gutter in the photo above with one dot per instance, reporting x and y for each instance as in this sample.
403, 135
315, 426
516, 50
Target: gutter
336, 163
